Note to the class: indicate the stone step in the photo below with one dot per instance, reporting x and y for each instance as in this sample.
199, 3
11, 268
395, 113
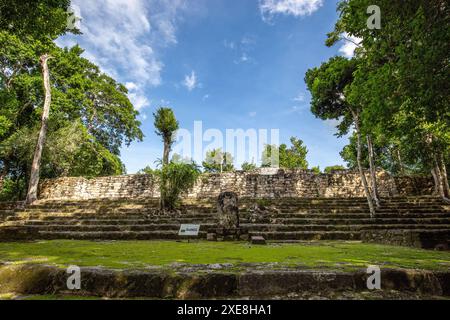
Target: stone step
119, 235
359, 221
355, 227
309, 235
110, 228
206, 227
201, 217
208, 220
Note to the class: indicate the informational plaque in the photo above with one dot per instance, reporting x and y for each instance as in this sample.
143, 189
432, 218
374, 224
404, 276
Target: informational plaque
189, 230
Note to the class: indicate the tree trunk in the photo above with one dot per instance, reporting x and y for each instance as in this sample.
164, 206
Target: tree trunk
166, 153
436, 182
439, 178
361, 171
35, 167
444, 176
373, 173
400, 163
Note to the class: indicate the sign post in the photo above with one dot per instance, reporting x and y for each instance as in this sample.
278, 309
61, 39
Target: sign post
189, 230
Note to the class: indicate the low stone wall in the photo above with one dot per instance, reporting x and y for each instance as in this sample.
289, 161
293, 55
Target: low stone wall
258, 184
201, 283
434, 239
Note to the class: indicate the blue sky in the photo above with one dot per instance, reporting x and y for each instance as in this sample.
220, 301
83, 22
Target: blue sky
230, 64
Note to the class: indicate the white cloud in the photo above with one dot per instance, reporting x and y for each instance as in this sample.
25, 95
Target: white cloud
205, 97
123, 38
137, 96
296, 8
350, 45
229, 44
190, 81
131, 86
252, 114
242, 49
300, 97
297, 109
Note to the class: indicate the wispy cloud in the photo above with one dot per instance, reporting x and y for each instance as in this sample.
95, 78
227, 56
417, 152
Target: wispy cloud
296, 8
190, 81
299, 98
123, 37
242, 48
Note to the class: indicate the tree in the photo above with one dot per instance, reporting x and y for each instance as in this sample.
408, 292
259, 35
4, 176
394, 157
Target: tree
402, 79
35, 167
330, 84
80, 94
217, 161
288, 158
166, 125
43, 20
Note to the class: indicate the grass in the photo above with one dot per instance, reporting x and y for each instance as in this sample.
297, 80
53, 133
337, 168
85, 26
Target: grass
141, 254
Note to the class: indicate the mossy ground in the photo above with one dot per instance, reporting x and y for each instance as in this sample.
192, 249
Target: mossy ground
142, 254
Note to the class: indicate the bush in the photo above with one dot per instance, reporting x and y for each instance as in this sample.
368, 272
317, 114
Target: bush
248, 166
176, 179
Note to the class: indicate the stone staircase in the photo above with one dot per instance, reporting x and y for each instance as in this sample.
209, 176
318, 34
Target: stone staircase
287, 219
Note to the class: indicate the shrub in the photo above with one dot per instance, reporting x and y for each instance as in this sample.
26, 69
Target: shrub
248, 166
176, 179
334, 168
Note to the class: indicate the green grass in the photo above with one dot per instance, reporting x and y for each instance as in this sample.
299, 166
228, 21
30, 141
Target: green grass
141, 254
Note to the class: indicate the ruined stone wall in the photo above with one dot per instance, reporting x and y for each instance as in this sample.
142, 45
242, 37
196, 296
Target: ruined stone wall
282, 183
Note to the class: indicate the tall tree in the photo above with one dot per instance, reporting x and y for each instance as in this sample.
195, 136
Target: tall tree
166, 125
82, 97
288, 158
329, 85
35, 166
402, 79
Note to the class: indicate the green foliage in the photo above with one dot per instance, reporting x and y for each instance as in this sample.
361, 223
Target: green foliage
316, 170
13, 189
329, 85
69, 151
91, 116
166, 125
246, 166
330, 169
217, 161
402, 76
292, 158
176, 179
43, 20
148, 170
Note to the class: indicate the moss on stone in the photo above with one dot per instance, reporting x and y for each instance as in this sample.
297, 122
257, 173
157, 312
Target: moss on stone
143, 254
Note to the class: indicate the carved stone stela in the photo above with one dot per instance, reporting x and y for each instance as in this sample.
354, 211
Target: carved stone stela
228, 210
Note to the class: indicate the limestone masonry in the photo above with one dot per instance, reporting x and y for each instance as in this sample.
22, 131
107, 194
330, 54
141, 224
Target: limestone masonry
257, 184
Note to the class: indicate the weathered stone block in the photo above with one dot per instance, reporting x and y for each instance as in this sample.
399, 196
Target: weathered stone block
258, 240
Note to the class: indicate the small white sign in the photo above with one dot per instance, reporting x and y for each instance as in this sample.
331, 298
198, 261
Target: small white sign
190, 230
